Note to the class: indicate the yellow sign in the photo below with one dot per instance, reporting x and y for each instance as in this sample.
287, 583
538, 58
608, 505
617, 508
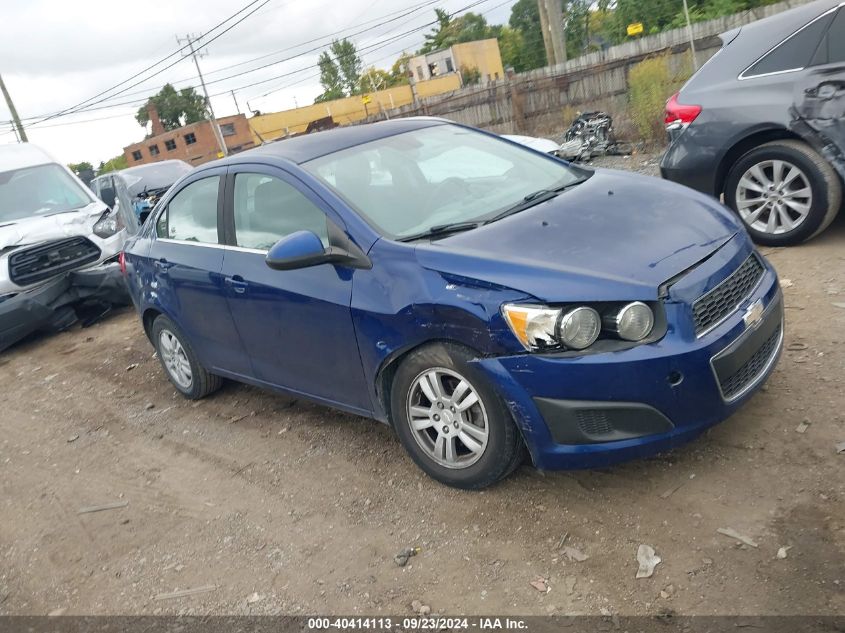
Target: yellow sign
635, 29
366, 99
220, 154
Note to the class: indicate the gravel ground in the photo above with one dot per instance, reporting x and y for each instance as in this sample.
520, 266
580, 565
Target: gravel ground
266, 505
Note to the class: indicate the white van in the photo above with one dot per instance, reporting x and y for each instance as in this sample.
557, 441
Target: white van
50, 225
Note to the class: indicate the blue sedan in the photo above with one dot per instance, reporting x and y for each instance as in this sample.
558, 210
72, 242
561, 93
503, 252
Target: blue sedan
483, 299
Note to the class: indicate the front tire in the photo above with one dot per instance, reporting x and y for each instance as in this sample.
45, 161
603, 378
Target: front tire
179, 361
451, 420
784, 192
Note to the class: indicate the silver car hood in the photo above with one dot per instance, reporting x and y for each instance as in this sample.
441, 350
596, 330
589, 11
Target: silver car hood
50, 227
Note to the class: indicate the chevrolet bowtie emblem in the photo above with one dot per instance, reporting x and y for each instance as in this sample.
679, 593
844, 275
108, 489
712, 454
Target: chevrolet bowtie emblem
754, 314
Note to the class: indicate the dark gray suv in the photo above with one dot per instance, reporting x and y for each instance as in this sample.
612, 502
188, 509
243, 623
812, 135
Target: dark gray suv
762, 123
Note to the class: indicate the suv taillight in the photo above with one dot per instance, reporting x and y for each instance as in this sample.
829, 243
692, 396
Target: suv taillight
680, 114
121, 260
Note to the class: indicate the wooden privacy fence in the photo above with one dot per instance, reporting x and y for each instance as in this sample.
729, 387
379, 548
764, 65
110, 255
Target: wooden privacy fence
545, 100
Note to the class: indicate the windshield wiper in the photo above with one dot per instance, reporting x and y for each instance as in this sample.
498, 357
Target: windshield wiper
533, 199
439, 230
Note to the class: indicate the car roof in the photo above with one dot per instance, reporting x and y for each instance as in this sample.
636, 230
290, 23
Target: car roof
20, 155
300, 149
747, 44
138, 169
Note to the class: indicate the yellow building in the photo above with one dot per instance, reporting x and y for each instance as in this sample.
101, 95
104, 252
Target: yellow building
273, 125
481, 55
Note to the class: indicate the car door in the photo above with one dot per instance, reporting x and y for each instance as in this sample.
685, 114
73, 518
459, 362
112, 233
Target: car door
187, 257
296, 325
820, 91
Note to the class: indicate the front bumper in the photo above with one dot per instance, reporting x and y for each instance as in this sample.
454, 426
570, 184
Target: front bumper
59, 303
594, 410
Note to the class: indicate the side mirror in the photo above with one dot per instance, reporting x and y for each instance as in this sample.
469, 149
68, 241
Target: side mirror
108, 195
303, 249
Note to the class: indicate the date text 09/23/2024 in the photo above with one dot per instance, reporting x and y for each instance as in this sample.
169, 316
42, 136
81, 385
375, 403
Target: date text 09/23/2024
416, 623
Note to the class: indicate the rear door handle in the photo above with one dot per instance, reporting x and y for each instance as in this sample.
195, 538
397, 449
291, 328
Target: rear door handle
237, 284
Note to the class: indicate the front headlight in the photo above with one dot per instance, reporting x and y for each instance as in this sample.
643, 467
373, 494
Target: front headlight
108, 224
577, 327
632, 322
534, 326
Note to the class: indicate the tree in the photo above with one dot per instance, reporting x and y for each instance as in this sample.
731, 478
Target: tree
340, 71
349, 63
470, 76
466, 28
525, 19
113, 164
78, 168
175, 108
330, 79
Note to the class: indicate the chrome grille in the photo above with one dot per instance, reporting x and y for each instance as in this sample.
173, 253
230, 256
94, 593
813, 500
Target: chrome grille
711, 308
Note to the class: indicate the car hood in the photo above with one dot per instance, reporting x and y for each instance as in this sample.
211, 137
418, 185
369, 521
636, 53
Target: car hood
617, 236
50, 227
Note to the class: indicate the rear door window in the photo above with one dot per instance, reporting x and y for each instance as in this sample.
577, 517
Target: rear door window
793, 54
191, 216
832, 48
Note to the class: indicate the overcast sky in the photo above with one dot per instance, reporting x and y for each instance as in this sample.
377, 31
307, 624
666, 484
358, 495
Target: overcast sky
55, 54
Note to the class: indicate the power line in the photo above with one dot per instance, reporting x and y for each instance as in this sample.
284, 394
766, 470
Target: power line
78, 107
370, 48
387, 18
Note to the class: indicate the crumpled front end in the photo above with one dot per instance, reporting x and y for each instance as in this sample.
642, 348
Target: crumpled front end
80, 295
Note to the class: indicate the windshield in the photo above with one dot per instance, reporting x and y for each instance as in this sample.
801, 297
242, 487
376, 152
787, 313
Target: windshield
41, 190
154, 176
406, 184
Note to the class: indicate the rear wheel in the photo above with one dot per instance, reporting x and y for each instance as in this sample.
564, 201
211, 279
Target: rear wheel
179, 361
451, 420
784, 192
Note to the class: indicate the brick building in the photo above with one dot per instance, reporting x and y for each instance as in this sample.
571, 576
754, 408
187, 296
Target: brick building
194, 143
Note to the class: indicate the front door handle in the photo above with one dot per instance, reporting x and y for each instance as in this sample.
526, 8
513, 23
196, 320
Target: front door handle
237, 284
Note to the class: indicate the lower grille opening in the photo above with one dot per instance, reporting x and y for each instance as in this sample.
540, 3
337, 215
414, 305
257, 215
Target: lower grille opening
594, 422
734, 384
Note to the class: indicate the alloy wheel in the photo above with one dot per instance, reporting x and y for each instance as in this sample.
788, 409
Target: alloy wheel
774, 197
175, 359
447, 418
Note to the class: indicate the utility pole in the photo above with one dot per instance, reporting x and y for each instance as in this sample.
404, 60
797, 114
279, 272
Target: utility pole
691, 37
215, 128
554, 11
544, 27
20, 132
235, 99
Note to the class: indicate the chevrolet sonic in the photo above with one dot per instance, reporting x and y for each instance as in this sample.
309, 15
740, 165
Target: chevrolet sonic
482, 298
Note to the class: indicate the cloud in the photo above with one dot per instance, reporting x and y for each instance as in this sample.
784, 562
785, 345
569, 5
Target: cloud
59, 54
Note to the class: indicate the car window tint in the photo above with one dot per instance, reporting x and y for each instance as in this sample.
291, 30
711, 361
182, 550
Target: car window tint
832, 48
268, 209
794, 53
191, 215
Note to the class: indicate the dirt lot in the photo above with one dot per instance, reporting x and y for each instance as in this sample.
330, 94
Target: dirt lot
287, 507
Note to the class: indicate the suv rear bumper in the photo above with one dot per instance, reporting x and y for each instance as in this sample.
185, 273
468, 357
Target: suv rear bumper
688, 163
